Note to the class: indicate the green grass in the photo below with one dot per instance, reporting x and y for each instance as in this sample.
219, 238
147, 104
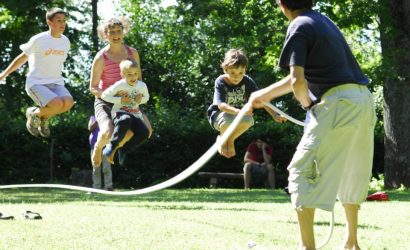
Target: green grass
186, 219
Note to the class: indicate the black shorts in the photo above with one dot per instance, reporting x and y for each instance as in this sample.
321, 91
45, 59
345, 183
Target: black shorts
258, 170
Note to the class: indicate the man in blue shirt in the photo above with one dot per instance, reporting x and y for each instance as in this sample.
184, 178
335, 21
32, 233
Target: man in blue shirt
334, 157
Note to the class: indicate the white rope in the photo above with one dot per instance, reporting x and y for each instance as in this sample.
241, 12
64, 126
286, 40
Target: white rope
176, 179
332, 219
290, 118
184, 174
331, 226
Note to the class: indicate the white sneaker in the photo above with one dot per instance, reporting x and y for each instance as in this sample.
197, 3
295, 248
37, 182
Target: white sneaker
33, 121
44, 129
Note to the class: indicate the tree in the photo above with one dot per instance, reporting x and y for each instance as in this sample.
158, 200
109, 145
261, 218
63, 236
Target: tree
19, 20
94, 7
395, 40
181, 48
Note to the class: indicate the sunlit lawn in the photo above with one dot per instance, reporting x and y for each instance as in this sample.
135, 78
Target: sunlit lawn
186, 219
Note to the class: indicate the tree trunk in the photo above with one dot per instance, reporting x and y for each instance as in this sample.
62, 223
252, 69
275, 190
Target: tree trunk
395, 41
94, 5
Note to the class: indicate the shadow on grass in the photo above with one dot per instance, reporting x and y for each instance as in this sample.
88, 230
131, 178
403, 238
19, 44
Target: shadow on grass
45, 195
336, 224
398, 195
365, 226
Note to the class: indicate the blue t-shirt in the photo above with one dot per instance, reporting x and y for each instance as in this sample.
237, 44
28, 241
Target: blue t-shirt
315, 43
234, 95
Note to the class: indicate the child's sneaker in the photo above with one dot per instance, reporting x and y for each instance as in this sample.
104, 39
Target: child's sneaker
44, 129
33, 121
109, 151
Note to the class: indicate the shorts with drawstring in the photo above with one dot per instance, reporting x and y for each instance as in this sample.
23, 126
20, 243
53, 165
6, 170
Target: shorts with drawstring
334, 157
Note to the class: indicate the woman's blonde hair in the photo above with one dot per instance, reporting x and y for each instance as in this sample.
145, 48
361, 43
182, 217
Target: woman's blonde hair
122, 22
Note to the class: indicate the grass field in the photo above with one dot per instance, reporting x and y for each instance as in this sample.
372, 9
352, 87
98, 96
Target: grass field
186, 219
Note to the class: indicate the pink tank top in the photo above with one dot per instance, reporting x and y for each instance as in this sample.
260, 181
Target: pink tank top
111, 72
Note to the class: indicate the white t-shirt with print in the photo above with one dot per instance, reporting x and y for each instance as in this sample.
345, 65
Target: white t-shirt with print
111, 95
46, 57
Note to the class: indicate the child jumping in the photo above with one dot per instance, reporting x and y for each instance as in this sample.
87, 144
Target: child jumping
231, 93
126, 95
46, 53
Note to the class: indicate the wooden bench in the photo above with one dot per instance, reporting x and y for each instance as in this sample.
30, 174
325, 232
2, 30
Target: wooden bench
214, 176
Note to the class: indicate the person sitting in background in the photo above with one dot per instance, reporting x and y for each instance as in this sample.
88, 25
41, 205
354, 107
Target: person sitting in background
257, 161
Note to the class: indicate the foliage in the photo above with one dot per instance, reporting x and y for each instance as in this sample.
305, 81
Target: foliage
181, 48
377, 184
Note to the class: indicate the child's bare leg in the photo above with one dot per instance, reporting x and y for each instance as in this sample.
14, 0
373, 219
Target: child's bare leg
103, 138
56, 106
242, 128
68, 103
147, 124
223, 148
227, 149
129, 134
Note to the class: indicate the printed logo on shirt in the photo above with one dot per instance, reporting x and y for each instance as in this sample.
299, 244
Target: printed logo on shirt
130, 110
54, 52
236, 97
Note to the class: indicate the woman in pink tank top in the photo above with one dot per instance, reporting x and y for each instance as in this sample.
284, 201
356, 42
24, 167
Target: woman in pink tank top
105, 72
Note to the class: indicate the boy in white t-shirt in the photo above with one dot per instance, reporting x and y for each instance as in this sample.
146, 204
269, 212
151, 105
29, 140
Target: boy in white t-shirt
46, 53
127, 95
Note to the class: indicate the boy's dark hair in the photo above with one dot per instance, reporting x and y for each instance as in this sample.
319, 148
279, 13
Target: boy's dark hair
51, 13
234, 58
296, 4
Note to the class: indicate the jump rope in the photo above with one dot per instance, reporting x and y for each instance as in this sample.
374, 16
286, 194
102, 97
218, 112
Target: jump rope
184, 174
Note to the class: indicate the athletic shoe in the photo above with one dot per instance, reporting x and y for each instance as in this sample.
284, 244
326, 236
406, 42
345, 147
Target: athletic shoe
6, 217
109, 152
29, 215
33, 121
121, 156
44, 129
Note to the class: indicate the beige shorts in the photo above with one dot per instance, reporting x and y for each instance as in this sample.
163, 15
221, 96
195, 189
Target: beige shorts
225, 118
334, 157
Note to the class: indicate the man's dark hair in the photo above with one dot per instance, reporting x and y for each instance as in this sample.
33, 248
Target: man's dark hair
262, 138
296, 4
